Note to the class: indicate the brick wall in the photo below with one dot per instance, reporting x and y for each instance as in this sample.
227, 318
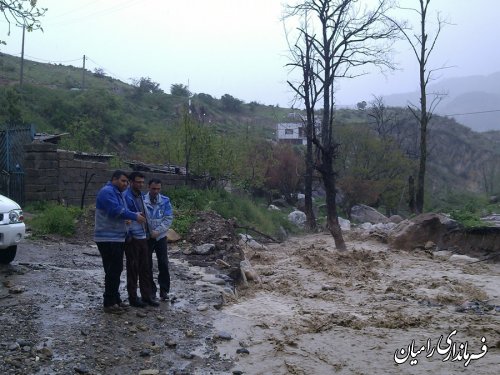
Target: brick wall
59, 176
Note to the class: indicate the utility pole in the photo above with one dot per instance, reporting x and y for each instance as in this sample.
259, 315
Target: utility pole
22, 60
83, 74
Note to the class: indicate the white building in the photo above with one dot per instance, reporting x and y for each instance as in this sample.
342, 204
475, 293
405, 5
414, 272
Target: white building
291, 132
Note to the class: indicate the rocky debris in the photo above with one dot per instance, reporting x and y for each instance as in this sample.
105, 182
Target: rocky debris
493, 220
212, 231
365, 214
173, 236
204, 249
210, 227
248, 240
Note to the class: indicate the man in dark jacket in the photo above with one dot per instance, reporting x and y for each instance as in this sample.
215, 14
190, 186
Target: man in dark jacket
111, 217
136, 247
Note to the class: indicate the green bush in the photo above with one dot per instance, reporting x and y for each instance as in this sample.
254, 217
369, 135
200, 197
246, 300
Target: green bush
467, 219
54, 219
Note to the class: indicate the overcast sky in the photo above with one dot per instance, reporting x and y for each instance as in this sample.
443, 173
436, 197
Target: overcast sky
236, 47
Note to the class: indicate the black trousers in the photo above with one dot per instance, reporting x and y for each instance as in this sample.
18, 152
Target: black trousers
112, 261
160, 248
137, 254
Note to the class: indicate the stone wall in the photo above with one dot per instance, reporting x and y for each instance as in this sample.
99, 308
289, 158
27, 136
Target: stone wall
59, 176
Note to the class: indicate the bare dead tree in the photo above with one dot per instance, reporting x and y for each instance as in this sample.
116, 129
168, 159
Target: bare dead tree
423, 47
303, 56
343, 37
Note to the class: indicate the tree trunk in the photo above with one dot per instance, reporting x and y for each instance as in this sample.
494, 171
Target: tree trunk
308, 204
331, 206
411, 193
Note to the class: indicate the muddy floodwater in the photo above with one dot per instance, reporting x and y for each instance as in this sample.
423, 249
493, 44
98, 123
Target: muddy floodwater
313, 310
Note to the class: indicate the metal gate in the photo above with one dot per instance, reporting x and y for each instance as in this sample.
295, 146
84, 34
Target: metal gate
12, 141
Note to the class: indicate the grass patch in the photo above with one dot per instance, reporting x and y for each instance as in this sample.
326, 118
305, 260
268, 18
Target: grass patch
51, 218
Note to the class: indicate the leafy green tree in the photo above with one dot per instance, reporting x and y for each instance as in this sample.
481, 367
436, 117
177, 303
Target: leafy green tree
178, 89
371, 170
284, 171
230, 103
145, 85
22, 12
251, 163
11, 107
99, 72
83, 136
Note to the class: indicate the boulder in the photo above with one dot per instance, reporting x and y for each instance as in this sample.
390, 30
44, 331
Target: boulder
396, 219
366, 214
247, 240
298, 218
345, 224
416, 232
272, 207
173, 236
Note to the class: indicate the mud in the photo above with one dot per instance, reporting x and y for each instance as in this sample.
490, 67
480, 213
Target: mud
318, 311
53, 323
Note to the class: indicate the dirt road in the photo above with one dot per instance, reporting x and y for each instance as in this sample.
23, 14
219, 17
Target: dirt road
315, 311
52, 319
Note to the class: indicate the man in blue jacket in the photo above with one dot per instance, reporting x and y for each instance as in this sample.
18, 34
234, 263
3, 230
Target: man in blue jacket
111, 219
160, 216
136, 247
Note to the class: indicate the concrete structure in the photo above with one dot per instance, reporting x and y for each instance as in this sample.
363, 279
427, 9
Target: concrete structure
291, 132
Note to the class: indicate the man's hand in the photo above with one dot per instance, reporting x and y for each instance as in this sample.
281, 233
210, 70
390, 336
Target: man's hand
140, 218
154, 234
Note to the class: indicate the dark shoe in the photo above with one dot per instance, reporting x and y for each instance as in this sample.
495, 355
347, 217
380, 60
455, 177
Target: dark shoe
114, 309
164, 296
152, 302
124, 306
137, 303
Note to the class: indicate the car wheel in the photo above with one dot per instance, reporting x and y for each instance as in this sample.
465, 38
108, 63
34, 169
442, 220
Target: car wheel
7, 255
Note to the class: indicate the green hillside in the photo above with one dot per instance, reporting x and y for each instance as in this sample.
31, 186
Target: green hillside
53, 100
226, 138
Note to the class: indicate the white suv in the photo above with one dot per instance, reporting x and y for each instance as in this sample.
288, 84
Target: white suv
12, 229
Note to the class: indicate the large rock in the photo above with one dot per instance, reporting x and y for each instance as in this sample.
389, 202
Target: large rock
366, 214
298, 218
415, 232
345, 224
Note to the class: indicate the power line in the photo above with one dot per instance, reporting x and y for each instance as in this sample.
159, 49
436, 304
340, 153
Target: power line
89, 16
473, 113
106, 70
52, 61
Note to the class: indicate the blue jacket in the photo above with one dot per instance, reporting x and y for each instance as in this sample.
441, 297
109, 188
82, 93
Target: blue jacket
136, 229
110, 215
160, 215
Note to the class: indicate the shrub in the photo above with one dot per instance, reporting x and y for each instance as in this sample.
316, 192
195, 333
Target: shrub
54, 219
467, 219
